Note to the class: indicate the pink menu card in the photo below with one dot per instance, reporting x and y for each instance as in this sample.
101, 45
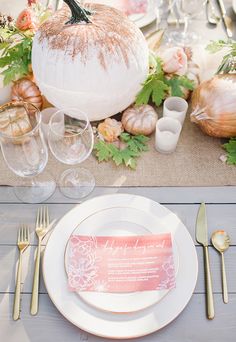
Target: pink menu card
120, 263
134, 6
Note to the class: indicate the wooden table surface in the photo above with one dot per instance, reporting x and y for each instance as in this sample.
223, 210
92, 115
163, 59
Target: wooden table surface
191, 325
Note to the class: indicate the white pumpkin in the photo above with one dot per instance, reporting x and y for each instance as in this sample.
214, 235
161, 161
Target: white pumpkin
95, 66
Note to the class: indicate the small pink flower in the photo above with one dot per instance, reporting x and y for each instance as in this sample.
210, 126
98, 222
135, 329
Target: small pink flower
26, 20
175, 61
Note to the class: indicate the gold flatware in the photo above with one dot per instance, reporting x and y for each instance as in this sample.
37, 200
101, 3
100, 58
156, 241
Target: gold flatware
212, 17
22, 243
202, 238
41, 229
226, 19
220, 240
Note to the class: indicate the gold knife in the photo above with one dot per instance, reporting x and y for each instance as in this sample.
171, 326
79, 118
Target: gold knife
202, 238
226, 19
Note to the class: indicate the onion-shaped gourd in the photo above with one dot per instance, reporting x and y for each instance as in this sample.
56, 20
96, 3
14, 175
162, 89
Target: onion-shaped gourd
26, 90
94, 60
214, 106
139, 120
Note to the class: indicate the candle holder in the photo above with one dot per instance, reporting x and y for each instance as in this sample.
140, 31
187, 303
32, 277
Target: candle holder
175, 108
167, 134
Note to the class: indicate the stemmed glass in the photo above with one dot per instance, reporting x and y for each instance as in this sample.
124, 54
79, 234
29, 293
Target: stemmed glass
189, 9
163, 9
25, 151
71, 140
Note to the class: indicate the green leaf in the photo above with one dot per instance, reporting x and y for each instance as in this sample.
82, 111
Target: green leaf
228, 63
176, 84
215, 46
159, 69
144, 95
3, 45
141, 138
127, 156
102, 151
125, 137
230, 147
16, 58
4, 61
159, 92
155, 89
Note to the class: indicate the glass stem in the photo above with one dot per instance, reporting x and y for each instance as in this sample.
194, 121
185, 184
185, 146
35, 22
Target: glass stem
186, 22
33, 182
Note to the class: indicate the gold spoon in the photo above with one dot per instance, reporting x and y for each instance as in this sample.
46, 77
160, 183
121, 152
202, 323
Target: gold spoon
220, 240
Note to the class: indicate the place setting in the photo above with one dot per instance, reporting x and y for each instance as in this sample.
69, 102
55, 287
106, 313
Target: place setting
121, 262
118, 154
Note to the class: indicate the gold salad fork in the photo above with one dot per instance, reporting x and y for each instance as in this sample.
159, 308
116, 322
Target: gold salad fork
22, 243
41, 229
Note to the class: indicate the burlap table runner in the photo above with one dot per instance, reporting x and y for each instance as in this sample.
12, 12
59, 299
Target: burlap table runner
195, 163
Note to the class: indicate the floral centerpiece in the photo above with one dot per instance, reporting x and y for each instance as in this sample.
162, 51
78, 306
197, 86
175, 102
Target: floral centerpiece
16, 40
171, 73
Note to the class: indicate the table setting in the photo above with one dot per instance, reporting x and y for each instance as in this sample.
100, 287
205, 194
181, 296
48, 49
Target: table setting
117, 170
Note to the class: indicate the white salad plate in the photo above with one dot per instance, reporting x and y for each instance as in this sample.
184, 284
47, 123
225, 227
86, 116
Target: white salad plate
108, 324
122, 222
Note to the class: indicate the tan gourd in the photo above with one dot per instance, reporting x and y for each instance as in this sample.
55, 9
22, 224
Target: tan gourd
26, 90
139, 119
14, 122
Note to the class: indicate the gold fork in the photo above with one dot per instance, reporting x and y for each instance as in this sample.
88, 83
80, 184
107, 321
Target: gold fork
42, 225
22, 242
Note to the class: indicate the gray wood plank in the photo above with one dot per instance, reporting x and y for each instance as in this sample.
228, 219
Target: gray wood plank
48, 325
220, 216
225, 194
9, 257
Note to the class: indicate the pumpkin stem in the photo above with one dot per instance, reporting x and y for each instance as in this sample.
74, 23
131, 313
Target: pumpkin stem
78, 13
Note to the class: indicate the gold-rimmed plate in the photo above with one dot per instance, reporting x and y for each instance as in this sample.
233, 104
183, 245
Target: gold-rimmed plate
120, 221
107, 324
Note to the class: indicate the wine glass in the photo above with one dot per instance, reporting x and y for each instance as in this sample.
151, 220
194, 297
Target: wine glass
71, 140
25, 151
188, 9
163, 8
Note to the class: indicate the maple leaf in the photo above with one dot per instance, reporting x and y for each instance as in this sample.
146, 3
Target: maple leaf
127, 156
230, 147
177, 84
103, 152
159, 92
144, 94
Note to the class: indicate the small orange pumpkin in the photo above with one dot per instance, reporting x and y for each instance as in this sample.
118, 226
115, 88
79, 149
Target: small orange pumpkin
26, 90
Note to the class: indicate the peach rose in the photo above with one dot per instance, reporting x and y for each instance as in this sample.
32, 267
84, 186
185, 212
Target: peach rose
26, 20
175, 61
110, 129
32, 2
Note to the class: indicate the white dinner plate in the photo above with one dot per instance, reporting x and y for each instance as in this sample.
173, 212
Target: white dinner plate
234, 5
122, 222
142, 20
107, 324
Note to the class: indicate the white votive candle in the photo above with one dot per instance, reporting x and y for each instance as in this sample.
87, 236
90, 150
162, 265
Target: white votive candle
167, 134
176, 108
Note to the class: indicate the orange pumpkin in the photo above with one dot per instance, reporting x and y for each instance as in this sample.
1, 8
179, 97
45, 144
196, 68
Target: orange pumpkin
26, 90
